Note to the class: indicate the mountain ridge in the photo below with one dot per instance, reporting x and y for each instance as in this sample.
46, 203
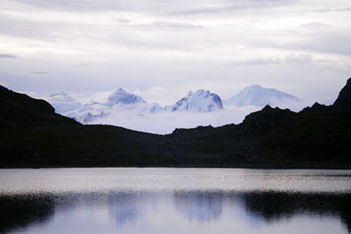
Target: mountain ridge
120, 100
33, 135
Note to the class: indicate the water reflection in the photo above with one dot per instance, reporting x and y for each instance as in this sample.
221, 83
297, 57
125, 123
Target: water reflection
176, 212
199, 206
277, 206
123, 207
22, 211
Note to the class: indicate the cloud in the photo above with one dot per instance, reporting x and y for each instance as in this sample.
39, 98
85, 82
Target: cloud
333, 42
257, 62
167, 122
8, 56
169, 25
82, 5
232, 6
100, 97
302, 59
315, 25
155, 94
123, 21
83, 65
89, 46
39, 73
346, 9
184, 7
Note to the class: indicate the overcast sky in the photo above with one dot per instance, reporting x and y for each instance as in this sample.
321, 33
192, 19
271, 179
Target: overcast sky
162, 49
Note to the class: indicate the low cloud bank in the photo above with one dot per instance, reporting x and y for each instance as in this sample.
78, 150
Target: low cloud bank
166, 122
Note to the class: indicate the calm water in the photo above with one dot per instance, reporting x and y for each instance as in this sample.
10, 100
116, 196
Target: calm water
134, 200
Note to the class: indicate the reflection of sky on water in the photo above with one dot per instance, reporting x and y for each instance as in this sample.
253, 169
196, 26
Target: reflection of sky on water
177, 212
200, 207
123, 207
157, 208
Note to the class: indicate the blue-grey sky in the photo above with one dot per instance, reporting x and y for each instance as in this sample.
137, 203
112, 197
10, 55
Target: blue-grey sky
162, 49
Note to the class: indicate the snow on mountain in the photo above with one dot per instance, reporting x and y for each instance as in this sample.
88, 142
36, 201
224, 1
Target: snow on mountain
119, 101
63, 103
89, 112
126, 109
256, 95
150, 108
200, 101
122, 100
121, 96
86, 117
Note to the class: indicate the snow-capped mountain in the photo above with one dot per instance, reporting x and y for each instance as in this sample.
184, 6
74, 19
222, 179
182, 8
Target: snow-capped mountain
89, 112
200, 101
126, 109
122, 99
121, 96
119, 101
63, 103
256, 95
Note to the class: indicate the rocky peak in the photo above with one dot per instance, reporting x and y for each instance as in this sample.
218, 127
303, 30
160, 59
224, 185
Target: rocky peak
121, 96
316, 107
343, 102
267, 118
200, 101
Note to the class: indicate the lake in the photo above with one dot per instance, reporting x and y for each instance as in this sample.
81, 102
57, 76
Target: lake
174, 200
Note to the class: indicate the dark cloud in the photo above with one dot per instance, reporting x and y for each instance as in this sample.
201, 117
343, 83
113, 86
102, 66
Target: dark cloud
8, 56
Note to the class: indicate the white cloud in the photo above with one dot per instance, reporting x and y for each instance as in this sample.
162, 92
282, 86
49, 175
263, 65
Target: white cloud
163, 49
166, 122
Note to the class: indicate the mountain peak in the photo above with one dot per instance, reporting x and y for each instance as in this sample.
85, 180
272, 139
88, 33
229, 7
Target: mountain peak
254, 86
343, 102
200, 101
190, 93
121, 96
204, 93
256, 95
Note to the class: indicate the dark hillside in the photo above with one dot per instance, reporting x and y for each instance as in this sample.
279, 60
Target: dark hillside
33, 135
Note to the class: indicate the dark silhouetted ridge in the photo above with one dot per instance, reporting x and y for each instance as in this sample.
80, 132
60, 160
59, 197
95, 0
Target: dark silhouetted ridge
33, 135
343, 102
